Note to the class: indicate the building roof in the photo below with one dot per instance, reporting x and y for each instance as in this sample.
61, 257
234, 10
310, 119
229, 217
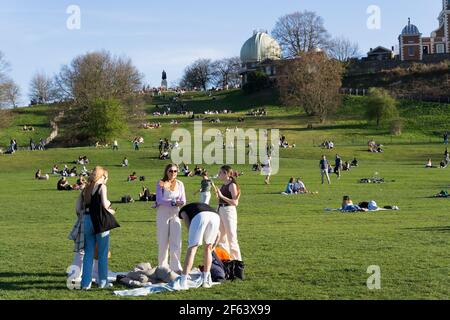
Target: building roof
260, 47
410, 29
379, 49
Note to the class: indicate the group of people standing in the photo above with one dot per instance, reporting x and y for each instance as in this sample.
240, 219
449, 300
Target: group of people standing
205, 224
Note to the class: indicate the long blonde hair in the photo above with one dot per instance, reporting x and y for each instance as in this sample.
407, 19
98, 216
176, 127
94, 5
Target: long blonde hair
96, 175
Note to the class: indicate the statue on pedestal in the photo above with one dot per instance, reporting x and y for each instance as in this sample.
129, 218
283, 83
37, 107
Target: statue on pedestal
164, 85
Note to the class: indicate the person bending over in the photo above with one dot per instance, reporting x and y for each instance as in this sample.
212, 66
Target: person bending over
203, 223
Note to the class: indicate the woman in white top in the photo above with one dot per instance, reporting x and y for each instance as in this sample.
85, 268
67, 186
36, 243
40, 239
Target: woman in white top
170, 197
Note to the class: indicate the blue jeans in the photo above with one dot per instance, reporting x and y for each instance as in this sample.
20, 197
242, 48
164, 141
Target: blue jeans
90, 239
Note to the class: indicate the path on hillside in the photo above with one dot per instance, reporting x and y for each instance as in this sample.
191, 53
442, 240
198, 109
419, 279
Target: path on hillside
55, 129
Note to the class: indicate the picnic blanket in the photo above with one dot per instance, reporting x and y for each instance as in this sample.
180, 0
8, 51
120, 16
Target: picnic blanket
195, 282
353, 211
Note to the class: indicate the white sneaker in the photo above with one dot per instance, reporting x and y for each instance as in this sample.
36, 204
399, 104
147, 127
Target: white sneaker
106, 286
207, 281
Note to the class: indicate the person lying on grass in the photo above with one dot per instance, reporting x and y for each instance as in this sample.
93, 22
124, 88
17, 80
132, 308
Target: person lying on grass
347, 205
38, 176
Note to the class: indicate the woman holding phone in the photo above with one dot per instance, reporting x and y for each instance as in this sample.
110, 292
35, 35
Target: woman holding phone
170, 197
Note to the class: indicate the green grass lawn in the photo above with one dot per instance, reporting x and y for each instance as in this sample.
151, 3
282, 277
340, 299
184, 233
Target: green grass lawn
292, 248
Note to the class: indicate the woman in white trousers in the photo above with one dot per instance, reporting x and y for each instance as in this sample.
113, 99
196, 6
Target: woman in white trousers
228, 196
170, 196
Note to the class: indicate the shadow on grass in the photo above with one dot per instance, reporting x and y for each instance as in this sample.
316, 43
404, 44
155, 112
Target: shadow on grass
431, 229
28, 281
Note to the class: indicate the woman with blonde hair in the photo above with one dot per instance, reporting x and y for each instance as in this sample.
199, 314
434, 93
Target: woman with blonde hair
228, 196
93, 197
170, 197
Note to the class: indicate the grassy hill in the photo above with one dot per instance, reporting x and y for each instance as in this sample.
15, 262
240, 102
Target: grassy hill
13, 121
292, 248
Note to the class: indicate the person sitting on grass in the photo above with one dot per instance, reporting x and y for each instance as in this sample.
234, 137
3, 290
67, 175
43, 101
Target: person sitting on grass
442, 194
443, 164
299, 187
132, 177
65, 171
429, 164
125, 162
81, 183
346, 166
146, 195
55, 169
290, 187
354, 163
186, 170
63, 185
164, 155
38, 176
198, 171
73, 172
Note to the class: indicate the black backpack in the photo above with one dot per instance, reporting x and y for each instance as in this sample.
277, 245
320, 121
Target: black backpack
234, 270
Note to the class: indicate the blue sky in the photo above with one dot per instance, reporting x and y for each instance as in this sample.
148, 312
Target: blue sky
169, 35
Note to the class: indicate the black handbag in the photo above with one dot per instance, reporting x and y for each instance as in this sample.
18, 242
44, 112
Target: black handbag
102, 219
234, 270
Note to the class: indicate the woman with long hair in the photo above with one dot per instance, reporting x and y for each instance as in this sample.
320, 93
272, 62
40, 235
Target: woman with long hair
95, 191
170, 197
228, 196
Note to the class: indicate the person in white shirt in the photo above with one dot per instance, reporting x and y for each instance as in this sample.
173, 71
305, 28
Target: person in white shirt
115, 145
299, 187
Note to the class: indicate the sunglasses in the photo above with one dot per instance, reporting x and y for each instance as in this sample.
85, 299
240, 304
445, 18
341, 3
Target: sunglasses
173, 171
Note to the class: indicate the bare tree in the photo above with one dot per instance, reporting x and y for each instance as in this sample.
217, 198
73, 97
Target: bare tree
312, 81
342, 49
225, 72
41, 88
300, 32
197, 75
98, 75
9, 94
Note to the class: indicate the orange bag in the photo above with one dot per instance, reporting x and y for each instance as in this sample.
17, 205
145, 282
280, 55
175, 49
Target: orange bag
222, 254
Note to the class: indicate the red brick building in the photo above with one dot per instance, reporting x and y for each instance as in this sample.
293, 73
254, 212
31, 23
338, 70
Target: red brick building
413, 46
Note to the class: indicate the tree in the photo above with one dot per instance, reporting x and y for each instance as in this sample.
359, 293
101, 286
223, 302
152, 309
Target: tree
257, 81
42, 89
300, 32
9, 94
104, 120
313, 82
381, 105
342, 49
225, 72
197, 75
98, 75
9, 90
